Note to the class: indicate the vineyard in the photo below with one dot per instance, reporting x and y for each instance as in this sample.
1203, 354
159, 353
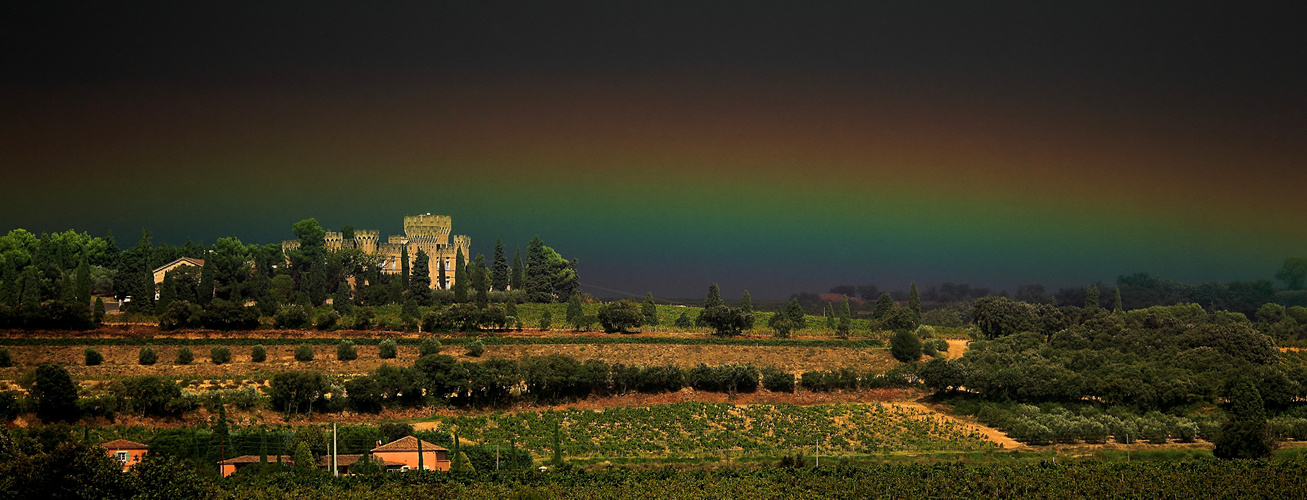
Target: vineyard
720, 430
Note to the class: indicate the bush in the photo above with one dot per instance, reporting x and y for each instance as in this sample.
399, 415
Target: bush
6, 359
387, 349
345, 351
620, 316
476, 348
225, 315
925, 332
185, 356
147, 356
304, 353
245, 398
292, 317
428, 347
258, 354
363, 317
220, 355
777, 381
181, 314
328, 320
93, 357
683, 321
905, 346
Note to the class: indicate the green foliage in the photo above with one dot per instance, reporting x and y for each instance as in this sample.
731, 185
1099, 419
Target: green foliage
93, 357
147, 356
914, 303
905, 346
546, 320
345, 351
899, 318
98, 316
304, 353
292, 317
258, 354
428, 347
884, 304
363, 394
475, 348
1001, 316
619, 316
846, 318
327, 320
55, 394
726, 321
6, 359
220, 355
296, 391
460, 277
181, 314
574, 309
387, 349
777, 381
683, 321
185, 356
1293, 273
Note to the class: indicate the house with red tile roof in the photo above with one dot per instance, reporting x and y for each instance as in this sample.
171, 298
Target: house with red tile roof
405, 451
127, 453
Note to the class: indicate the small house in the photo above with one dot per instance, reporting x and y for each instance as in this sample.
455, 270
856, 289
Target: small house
405, 451
344, 462
231, 465
127, 453
160, 271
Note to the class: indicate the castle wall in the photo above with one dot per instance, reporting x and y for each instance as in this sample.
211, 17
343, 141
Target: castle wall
429, 233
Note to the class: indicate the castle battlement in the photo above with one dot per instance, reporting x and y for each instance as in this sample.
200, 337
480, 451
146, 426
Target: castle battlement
426, 232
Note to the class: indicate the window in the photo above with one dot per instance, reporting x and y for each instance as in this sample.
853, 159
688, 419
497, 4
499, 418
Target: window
122, 456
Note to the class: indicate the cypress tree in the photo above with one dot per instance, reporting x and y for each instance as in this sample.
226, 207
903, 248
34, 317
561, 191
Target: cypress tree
830, 315
650, 310
10, 291
1091, 298
419, 282
341, 301
846, 317
441, 278
746, 307
499, 273
519, 271
98, 315
539, 282
571, 285
404, 267
574, 309
478, 275
884, 304
714, 298
318, 284
31, 294
67, 294
794, 312
83, 295
1116, 308
914, 302
1247, 434
167, 293
460, 278
205, 292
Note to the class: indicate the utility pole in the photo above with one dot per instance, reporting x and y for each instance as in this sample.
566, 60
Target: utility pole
496, 457
818, 453
334, 471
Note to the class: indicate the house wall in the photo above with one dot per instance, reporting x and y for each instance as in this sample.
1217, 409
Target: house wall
133, 457
432, 460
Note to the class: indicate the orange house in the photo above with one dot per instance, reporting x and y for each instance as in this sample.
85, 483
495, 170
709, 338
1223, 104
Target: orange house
405, 451
127, 453
231, 465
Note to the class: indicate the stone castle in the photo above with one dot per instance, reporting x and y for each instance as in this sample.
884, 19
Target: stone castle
430, 233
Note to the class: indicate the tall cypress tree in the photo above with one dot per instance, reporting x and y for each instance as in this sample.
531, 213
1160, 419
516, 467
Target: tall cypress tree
539, 281
649, 310
9, 290
914, 302
404, 267
205, 292
746, 307
884, 304
441, 277
830, 315
794, 312
574, 308
460, 278
846, 317
714, 299
1116, 308
419, 282
1091, 298
479, 276
84, 284
167, 293
519, 271
31, 294
499, 272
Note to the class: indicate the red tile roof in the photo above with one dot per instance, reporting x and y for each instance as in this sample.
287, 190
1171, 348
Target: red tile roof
250, 459
123, 444
407, 443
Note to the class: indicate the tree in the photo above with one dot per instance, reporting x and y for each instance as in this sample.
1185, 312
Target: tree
477, 273
905, 346
746, 305
914, 302
714, 299
442, 279
55, 394
98, 315
419, 282
1247, 434
167, 293
207, 288
1293, 273
620, 316
574, 309
341, 300
499, 270
650, 310
884, 304
83, 294
726, 321
460, 278
519, 271
539, 279
846, 318
1116, 307
1091, 298
829, 314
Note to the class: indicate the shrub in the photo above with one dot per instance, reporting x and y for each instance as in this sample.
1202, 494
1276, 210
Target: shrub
363, 317
620, 316
905, 346
777, 381
345, 351
245, 398
181, 314
941, 345
6, 359
292, 317
225, 315
925, 332
1093, 432
304, 353
429, 346
258, 354
185, 356
476, 348
328, 320
928, 348
147, 356
93, 357
683, 321
220, 355
387, 349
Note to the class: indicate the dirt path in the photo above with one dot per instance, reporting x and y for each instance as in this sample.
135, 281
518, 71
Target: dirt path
990, 433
